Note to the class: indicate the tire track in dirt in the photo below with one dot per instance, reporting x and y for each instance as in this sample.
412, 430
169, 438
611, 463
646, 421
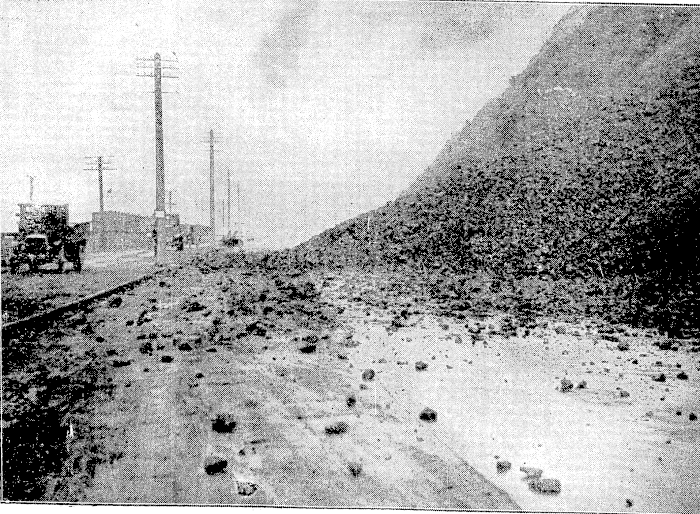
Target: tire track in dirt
282, 401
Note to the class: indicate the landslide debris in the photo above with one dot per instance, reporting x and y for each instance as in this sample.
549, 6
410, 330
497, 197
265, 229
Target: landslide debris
579, 181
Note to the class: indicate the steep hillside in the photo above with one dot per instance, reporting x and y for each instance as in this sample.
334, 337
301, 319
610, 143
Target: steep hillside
585, 167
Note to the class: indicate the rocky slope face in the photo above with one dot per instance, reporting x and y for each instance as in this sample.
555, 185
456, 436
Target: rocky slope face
585, 167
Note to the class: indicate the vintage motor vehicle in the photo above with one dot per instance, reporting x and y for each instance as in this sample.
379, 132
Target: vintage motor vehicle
46, 238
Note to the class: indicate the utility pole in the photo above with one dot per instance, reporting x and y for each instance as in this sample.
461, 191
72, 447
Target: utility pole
238, 198
228, 204
159, 213
211, 185
99, 165
31, 188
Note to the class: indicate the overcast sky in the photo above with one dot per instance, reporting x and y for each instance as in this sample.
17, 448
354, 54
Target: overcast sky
322, 110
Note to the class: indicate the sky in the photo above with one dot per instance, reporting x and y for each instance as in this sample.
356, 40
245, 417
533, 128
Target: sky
321, 110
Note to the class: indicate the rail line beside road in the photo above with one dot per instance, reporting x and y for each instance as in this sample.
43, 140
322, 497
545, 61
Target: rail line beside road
36, 320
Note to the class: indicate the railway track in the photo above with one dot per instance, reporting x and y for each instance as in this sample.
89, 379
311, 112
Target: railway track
40, 319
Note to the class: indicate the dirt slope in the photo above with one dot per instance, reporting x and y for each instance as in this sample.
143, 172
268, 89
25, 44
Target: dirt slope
584, 167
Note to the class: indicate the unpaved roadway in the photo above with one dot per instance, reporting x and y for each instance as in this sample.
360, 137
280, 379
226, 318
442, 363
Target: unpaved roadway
283, 356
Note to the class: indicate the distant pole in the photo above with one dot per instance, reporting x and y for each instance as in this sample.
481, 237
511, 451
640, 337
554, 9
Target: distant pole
238, 198
160, 162
99, 180
100, 164
211, 184
228, 204
31, 189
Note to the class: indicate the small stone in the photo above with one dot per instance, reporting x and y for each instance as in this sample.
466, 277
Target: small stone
628, 503
428, 415
355, 468
309, 348
146, 348
692, 416
214, 465
566, 385
368, 374
458, 339
421, 366
121, 363
582, 385
624, 394
546, 485
115, 301
337, 428
166, 358
623, 346
184, 347
382, 361
351, 400
223, 423
246, 488
682, 376
530, 472
502, 466
659, 378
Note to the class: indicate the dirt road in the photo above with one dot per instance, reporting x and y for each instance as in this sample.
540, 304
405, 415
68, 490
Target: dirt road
281, 359
286, 405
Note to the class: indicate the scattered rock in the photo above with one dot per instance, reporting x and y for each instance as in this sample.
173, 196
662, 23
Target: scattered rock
531, 473
184, 347
246, 488
355, 468
659, 378
115, 301
381, 361
146, 348
623, 346
309, 348
120, 363
682, 376
566, 385
502, 466
223, 423
546, 485
458, 339
351, 400
368, 374
214, 465
166, 358
421, 366
624, 394
628, 503
428, 415
582, 385
692, 416
339, 427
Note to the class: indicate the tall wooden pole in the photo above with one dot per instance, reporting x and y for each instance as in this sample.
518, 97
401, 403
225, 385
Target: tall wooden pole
211, 184
99, 180
160, 163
